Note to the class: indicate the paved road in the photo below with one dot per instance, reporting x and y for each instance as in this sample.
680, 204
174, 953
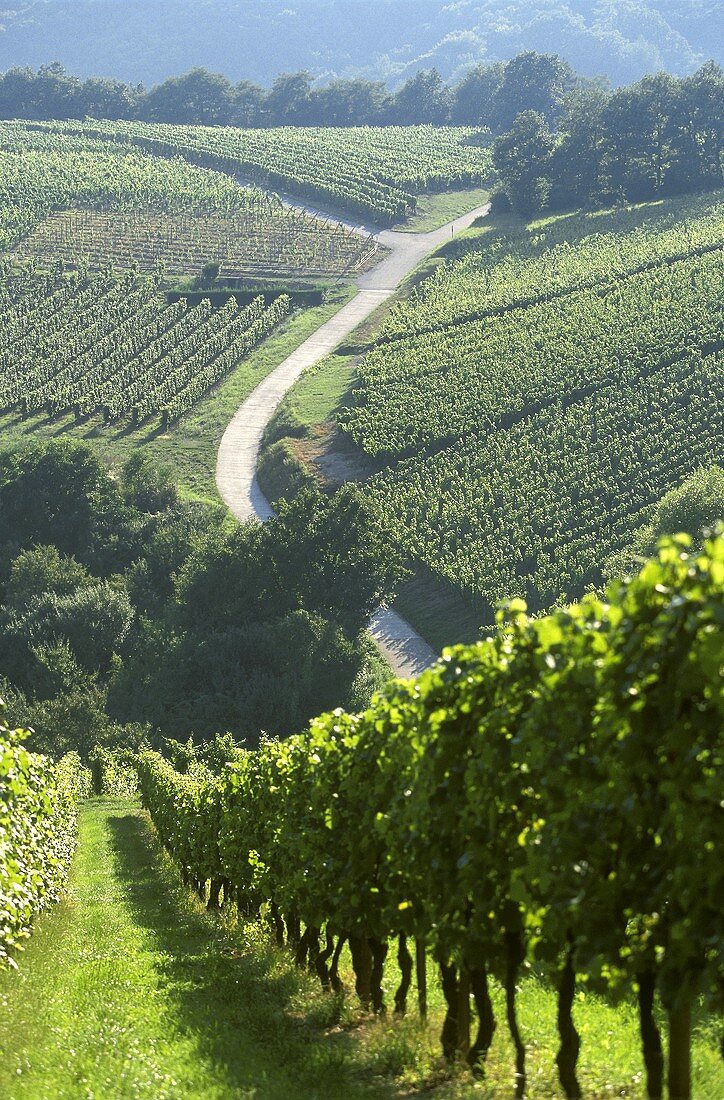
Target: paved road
238, 453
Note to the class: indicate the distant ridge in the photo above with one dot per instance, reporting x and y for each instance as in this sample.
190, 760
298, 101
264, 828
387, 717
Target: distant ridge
149, 40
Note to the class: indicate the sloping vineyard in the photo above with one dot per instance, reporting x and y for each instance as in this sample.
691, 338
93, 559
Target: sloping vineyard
510, 270
65, 196
258, 241
444, 814
373, 172
112, 345
525, 446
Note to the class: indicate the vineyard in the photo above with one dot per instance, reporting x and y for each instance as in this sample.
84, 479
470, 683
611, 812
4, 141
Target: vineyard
371, 172
257, 242
64, 196
547, 798
38, 816
112, 345
523, 445
509, 270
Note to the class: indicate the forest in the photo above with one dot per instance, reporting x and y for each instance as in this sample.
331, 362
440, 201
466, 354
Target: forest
146, 41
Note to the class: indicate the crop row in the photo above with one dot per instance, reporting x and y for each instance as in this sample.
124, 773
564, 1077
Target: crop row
38, 828
429, 390
512, 269
534, 509
110, 198
106, 344
250, 242
373, 172
547, 797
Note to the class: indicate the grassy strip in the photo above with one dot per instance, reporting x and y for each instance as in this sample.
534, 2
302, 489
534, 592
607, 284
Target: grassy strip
438, 208
131, 990
190, 446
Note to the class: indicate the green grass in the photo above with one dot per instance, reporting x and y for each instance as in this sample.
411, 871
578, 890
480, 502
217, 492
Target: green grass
434, 210
437, 611
129, 990
190, 446
315, 399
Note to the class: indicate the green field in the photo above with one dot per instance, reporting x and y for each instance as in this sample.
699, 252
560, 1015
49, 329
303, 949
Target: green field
369, 172
68, 197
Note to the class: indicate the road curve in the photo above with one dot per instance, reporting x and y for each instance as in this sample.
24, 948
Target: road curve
236, 462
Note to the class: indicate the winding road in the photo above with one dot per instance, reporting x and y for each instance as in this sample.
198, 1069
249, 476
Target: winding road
407, 653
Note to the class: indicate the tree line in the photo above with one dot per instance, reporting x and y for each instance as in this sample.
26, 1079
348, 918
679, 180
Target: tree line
488, 96
660, 136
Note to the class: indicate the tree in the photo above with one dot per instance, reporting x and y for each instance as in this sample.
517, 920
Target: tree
94, 620
628, 176
523, 158
289, 101
43, 569
351, 103
248, 104
198, 97
532, 82
578, 159
425, 98
474, 98
109, 98
699, 140
53, 494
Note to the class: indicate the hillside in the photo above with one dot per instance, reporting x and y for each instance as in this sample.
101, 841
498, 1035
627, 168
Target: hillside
149, 40
297, 388
528, 404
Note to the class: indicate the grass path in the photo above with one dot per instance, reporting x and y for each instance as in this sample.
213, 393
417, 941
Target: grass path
128, 990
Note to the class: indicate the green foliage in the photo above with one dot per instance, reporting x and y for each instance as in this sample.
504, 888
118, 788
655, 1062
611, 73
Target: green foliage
111, 345
553, 792
373, 172
694, 507
38, 821
95, 621
523, 159
113, 772
170, 615
40, 570
67, 195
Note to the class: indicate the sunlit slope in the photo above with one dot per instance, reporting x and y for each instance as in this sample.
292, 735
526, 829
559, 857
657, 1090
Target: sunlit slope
556, 383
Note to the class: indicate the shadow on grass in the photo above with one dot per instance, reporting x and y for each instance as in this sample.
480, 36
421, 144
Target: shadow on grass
235, 999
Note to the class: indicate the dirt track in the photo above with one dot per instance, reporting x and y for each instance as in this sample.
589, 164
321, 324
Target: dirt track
238, 452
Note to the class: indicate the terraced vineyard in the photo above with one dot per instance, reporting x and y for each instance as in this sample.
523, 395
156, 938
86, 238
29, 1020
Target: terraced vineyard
522, 446
112, 345
65, 196
372, 172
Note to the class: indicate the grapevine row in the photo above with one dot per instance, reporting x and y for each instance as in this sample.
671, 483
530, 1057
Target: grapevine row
112, 345
66, 195
373, 172
548, 796
38, 829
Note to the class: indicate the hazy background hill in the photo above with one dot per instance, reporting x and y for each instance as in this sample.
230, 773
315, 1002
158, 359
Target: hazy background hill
149, 40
